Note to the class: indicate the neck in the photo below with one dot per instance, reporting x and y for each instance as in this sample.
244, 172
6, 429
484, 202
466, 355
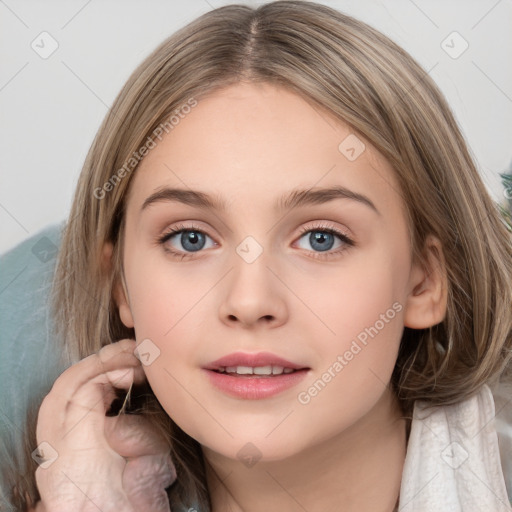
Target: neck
360, 470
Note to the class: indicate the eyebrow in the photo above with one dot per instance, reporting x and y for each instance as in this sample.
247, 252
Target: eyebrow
294, 199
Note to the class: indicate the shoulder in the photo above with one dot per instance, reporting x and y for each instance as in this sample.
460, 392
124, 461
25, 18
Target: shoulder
454, 459
502, 394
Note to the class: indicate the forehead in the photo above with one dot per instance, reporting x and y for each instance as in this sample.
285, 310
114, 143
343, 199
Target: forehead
249, 143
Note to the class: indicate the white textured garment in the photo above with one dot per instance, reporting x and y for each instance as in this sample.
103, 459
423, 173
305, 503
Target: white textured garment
453, 459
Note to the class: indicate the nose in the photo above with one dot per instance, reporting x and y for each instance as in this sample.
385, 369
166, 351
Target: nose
254, 295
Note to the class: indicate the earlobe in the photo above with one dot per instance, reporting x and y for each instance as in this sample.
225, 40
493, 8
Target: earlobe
120, 294
428, 296
125, 312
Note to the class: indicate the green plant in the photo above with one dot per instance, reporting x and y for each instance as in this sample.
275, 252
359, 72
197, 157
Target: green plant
506, 210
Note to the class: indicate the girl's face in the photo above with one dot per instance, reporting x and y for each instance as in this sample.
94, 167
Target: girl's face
267, 261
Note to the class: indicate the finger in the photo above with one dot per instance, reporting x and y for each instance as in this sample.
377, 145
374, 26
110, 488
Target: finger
132, 435
121, 378
145, 480
86, 409
90, 401
110, 357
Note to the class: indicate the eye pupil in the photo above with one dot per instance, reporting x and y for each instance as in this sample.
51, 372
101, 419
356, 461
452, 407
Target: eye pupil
324, 239
191, 240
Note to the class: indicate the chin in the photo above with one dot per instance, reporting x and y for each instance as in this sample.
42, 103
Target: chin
252, 449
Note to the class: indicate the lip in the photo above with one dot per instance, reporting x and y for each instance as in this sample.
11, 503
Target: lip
258, 359
255, 387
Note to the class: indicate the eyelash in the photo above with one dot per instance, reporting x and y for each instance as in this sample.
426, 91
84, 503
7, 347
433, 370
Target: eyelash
348, 242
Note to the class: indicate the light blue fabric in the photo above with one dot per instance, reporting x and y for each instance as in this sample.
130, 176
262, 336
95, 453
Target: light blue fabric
29, 358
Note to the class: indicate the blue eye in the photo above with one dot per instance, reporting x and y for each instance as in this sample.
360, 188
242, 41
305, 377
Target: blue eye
191, 240
322, 239
182, 242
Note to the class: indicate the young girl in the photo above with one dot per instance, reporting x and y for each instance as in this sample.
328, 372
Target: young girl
280, 247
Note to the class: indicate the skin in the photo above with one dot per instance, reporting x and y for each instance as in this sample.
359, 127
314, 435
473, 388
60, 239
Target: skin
250, 144
90, 461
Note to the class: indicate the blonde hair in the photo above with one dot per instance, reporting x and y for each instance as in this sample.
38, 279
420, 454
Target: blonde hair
363, 78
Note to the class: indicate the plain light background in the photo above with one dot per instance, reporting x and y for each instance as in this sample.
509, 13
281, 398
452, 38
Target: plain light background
51, 108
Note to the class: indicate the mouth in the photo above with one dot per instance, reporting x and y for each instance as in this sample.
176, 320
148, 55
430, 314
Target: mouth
264, 364
256, 371
254, 376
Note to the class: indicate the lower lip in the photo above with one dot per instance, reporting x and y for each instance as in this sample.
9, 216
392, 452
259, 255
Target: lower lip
255, 388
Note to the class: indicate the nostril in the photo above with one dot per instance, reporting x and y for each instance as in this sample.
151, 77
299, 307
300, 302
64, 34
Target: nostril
267, 318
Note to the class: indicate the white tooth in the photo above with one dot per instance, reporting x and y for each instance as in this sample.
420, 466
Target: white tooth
288, 370
230, 369
222, 369
263, 370
277, 370
244, 370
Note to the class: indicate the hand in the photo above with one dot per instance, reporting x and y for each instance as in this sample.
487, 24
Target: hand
116, 463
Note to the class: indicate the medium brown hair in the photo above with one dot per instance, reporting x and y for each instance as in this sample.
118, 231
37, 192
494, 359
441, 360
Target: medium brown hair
355, 73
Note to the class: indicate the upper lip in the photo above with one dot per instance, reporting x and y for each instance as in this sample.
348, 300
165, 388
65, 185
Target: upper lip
252, 360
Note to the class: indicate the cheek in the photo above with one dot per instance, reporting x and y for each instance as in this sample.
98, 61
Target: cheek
372, 323
164, 295
354, 373
342, 301
169, 308
173, 374
364, 310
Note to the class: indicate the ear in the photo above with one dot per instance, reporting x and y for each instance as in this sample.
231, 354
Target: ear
427, 300
119, 291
